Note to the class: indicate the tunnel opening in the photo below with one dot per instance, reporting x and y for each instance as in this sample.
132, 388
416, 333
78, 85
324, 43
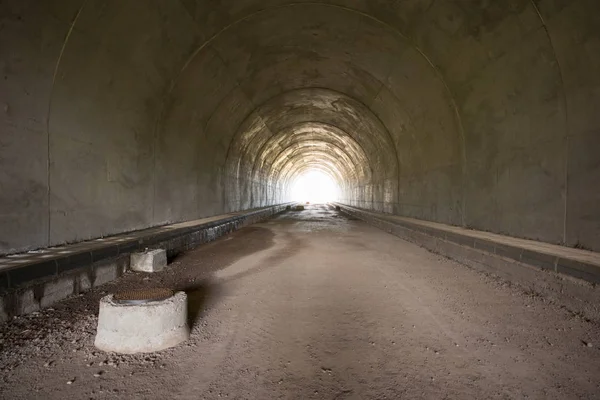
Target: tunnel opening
314, 186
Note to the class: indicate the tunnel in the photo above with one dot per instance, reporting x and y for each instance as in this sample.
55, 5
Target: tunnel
120, 116
478, 119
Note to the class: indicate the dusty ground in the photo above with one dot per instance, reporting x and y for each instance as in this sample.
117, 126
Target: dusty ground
313, 305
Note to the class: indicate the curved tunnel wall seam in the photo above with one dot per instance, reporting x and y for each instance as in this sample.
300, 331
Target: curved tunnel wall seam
567, 139
256, 159
252, 15
287, 92
351, 10
354, 169
382, 86
364, 153
323, 155
257, 112
48, 132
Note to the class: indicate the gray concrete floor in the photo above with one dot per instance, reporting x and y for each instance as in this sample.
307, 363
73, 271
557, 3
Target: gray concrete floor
314, 305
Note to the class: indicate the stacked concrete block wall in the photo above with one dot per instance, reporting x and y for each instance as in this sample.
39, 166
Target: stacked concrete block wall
67, 270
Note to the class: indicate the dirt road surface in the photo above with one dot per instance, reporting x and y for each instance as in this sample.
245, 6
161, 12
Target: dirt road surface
316, 305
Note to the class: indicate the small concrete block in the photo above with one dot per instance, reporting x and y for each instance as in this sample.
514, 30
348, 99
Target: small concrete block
142, 328
485, 245
57, 290
578, 269
3, 282
149, 261
508, 251
27, 303
85, 282
4, 315
459, 239
540, 260
105, 273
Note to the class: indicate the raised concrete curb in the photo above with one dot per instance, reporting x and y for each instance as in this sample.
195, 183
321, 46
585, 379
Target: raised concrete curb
37, 279
142, 328
149, 261
567, 276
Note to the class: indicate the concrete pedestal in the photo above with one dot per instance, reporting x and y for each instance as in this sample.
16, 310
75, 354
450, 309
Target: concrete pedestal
142, 328
149, 261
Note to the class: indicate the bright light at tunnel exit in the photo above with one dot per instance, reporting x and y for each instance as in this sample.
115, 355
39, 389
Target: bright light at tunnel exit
315, 187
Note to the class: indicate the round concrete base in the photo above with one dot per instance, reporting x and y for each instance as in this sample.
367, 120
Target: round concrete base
142, 328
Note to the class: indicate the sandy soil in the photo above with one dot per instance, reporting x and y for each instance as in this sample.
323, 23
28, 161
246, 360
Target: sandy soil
315, 305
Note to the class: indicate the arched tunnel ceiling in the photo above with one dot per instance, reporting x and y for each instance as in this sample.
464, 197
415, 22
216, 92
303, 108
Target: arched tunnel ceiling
341, 126
442, 110
277, 51
285, 62
336, 68
313, 135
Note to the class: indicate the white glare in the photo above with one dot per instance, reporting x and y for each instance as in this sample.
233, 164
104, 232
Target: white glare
315, 187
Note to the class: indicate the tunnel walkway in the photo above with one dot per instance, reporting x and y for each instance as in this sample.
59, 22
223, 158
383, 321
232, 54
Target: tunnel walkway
316, 305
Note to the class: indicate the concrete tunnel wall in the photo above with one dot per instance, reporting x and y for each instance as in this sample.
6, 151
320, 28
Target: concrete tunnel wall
123, 114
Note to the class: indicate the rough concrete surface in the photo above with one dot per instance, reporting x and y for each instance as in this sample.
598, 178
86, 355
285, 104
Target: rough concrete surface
142, 328
315, 305
120, 115
149, 261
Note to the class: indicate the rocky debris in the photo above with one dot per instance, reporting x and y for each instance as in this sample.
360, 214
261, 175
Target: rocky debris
69, 327
43, 335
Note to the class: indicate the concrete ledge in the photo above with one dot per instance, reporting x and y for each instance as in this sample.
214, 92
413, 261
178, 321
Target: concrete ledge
567, 276
37, 279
